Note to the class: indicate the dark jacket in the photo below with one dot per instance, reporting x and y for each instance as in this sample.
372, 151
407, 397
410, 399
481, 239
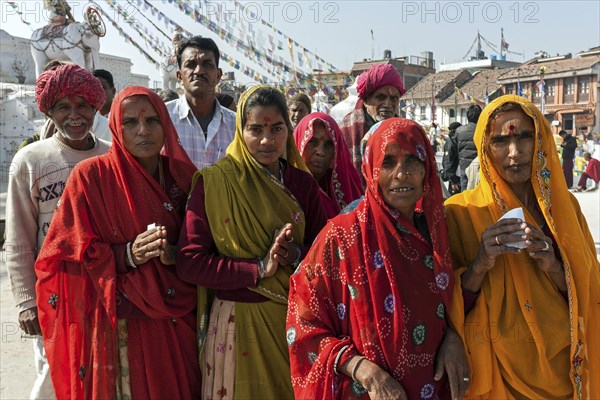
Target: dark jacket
466, 146
450, 160
569, 146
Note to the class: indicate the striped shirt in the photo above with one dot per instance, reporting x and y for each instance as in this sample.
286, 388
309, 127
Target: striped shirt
202, 151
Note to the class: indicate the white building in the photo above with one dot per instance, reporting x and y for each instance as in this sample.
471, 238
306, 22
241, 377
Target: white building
19, 115
16, 52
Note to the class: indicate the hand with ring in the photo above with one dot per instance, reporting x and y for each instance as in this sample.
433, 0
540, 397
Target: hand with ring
539, 247
492, 245
283, 248
451, 360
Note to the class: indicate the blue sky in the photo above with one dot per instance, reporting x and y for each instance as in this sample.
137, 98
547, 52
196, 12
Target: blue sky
340, 31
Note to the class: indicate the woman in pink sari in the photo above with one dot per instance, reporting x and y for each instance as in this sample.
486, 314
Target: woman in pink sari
319, 139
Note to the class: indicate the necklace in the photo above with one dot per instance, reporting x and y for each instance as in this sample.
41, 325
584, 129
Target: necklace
161, 177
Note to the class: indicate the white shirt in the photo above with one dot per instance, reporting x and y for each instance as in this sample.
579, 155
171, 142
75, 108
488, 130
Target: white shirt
202, 151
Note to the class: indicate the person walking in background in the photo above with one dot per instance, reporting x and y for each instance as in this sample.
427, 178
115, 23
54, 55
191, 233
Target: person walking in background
450, 160
592, 171
466, 147
569, 145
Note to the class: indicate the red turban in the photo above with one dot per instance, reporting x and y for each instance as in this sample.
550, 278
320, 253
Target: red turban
376, 77
65, 80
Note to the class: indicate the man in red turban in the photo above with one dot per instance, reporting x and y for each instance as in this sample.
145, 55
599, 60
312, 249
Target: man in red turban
379, 91
70, 96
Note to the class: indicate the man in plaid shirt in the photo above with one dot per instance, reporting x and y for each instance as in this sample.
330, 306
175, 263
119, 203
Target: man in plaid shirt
205, 127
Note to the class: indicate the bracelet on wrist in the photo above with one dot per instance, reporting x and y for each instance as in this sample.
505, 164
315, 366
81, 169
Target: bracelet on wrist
130, 256
353, 375
298, 255
261, 268
337, 359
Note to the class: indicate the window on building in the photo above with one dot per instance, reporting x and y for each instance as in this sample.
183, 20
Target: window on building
423, 113
584, 85
569, 86
509, 89
550, 89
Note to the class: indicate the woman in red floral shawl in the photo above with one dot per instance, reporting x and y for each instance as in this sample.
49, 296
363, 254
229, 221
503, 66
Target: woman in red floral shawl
116, 319
367, 308
326, 155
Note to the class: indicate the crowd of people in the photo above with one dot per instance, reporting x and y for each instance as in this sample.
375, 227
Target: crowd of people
200, 246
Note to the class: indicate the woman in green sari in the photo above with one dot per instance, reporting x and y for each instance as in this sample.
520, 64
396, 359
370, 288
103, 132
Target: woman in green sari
251, 217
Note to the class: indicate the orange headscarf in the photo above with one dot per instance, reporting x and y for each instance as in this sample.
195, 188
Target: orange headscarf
523, 338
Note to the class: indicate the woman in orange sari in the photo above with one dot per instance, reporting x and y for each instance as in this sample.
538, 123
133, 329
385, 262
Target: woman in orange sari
527, 306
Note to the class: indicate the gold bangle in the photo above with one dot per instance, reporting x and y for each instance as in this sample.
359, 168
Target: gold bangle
353, 374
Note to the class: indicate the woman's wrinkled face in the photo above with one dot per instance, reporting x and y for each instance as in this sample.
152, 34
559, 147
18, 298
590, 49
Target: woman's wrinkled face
401, 179
298, 111
510, 146
319, 151
143, 135
265, 134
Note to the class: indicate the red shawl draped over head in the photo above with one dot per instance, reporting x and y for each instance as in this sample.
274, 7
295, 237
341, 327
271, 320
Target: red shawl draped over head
353, 127
107, 202
372, 284
343, 184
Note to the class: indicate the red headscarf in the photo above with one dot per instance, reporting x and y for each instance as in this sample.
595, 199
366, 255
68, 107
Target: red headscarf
373, 283
65, 80
108, 201
376, 77
344, 185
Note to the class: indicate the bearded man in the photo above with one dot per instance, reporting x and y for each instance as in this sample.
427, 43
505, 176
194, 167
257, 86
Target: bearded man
379, 91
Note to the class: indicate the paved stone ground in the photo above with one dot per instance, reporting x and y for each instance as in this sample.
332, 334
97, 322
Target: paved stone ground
16, 353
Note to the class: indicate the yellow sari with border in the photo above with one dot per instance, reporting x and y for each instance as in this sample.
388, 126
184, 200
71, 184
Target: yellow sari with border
523, 339
245, 205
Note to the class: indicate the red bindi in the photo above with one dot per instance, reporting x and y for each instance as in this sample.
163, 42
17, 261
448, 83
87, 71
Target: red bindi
511, 130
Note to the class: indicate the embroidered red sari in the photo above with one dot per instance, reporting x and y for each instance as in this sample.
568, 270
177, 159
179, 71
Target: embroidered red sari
107, 202
374, 283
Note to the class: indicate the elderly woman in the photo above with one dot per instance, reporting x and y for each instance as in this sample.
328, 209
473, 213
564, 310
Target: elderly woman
299, 106
324, 151
250, 218
116, 318
367, 314
529, 286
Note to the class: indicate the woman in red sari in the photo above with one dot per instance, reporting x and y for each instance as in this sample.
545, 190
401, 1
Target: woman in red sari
367, 308
117, 320
320, 141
